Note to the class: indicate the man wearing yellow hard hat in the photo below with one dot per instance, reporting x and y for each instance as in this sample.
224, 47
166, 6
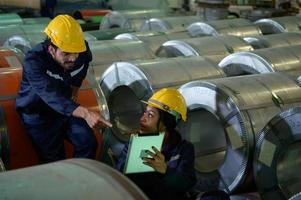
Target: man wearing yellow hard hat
174, 165
53, 71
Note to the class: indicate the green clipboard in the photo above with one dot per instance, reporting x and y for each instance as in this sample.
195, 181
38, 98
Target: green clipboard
138, 144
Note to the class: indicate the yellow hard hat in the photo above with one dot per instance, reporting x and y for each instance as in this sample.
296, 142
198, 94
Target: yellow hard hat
171, 101
66, 33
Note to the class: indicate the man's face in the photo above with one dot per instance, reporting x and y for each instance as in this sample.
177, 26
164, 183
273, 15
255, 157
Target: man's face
149, 120
66, 60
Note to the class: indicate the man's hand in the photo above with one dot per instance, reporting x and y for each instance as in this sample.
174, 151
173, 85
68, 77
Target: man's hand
92, 118
157, 161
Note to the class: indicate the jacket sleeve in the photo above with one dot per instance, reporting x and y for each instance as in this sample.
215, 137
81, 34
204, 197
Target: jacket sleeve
182, 177
43, 87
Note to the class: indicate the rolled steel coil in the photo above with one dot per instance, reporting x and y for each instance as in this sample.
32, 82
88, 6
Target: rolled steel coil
36, 20
212, 48
10, 57
279, 24
153, 39
129, 18
277, 158
24, 42
126, 83
10, 19
68, 179
225, 117
108, 34
25, 29
16, 149
109, 51
282, 59
274, 40
238, 27
165, 24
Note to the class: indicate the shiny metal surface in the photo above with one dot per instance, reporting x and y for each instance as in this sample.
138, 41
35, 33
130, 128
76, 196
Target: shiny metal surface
25, 29
279, 24
296, 197
108, 34
153, 39
238, 27
274, 40
10, 19
106, 52
165, 24
68, 179
212, 48
239, 108
36, 20
10, 57
277, 156
126, 83
282, 59
24, 42
129, 18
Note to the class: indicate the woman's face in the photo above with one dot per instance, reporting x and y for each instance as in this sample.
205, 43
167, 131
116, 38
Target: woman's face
149, 120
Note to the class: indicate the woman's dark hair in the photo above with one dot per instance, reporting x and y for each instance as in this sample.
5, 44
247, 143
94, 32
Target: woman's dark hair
168, 120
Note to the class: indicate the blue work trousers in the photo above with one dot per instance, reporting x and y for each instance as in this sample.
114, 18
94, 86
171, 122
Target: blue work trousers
48, 136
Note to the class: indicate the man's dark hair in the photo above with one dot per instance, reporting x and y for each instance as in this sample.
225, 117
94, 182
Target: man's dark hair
48, 43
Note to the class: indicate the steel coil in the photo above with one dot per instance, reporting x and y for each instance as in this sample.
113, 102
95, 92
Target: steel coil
24, 42
124, 84
153, 39
69, 180
36, 20
274, 40
213, 48
26, 29
238, 27
108, 34
282, 59
279, 24
277, 158
10, 19
225, 116
109, 51
10, 57
296, 196
166, 24
129, 18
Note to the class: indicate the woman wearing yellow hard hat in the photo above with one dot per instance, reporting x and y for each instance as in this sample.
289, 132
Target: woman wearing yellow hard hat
174, 165
53, 71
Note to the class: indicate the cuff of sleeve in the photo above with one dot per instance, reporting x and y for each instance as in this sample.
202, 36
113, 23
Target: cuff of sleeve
70, 108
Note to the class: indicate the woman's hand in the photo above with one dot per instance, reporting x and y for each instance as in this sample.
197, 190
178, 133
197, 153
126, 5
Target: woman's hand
157, 161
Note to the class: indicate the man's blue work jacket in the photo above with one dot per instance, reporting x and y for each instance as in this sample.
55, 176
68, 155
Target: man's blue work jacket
46, 86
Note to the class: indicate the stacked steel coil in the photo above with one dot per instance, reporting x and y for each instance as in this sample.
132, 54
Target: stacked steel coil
153, 39
274, 40
166, 24
68, 179
213, 48
129, 18
225, 117
282, 59
279, 24
10, 57
238, 27
277, 156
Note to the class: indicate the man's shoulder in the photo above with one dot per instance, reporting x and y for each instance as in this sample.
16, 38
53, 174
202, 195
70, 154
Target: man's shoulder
37, 51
